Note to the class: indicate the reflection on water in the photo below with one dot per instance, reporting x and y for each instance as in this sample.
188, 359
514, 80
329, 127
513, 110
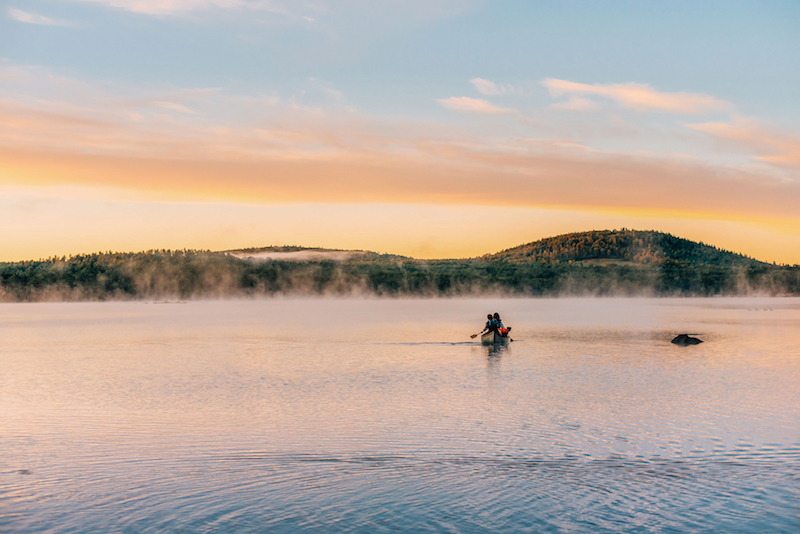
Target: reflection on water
373, 415
493, 352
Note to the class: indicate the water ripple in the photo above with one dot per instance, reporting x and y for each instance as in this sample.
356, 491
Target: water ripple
210, 418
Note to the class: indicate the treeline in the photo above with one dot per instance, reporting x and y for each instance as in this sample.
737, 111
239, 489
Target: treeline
199, 275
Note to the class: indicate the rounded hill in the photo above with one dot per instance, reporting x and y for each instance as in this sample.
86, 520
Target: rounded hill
622, 246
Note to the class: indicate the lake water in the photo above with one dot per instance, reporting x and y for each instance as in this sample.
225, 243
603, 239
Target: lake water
384, 416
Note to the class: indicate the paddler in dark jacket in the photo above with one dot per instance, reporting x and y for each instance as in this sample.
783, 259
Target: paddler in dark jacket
491, 325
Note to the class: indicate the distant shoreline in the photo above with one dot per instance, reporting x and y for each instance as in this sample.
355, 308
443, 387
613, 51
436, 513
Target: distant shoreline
608, 263
193, 276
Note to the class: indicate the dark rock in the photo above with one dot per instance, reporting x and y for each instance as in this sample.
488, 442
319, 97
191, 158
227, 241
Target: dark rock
686, 339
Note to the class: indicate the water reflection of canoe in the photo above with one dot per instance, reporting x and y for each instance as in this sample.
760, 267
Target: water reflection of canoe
492, 338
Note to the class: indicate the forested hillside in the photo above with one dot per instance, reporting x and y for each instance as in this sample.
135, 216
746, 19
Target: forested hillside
624, 263
625, 245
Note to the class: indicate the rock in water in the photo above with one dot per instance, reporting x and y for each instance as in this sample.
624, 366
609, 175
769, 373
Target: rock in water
686, 339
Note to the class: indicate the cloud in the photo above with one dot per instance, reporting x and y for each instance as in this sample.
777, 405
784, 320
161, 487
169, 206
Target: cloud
639, 97
473, 105
433, 173
171, 7
174, 106
170, 101
486, 87
775, 147
251, 148
34, 18
577, 104
305, 11
489, 88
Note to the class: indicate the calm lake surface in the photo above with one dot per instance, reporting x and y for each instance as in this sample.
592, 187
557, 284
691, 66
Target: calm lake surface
383, 416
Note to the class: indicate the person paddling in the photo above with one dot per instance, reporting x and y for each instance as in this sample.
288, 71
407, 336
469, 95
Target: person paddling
501, 329
491, 325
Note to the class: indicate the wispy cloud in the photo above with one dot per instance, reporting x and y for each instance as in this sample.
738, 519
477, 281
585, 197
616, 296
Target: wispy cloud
775, 147
171, 101
577, 104
305, 11
34, 18
91, 138
472, 105
171, 7
639, 97
434, 173
489, 88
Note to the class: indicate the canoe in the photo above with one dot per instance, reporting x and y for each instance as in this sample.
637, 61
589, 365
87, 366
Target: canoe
492, 338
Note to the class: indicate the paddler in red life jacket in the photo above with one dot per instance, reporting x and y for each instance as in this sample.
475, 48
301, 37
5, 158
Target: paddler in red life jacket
501, 329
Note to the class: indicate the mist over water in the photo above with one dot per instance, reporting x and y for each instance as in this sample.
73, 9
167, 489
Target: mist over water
376, 415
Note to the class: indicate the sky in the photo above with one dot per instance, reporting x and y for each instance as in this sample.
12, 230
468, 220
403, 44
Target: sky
432, 129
